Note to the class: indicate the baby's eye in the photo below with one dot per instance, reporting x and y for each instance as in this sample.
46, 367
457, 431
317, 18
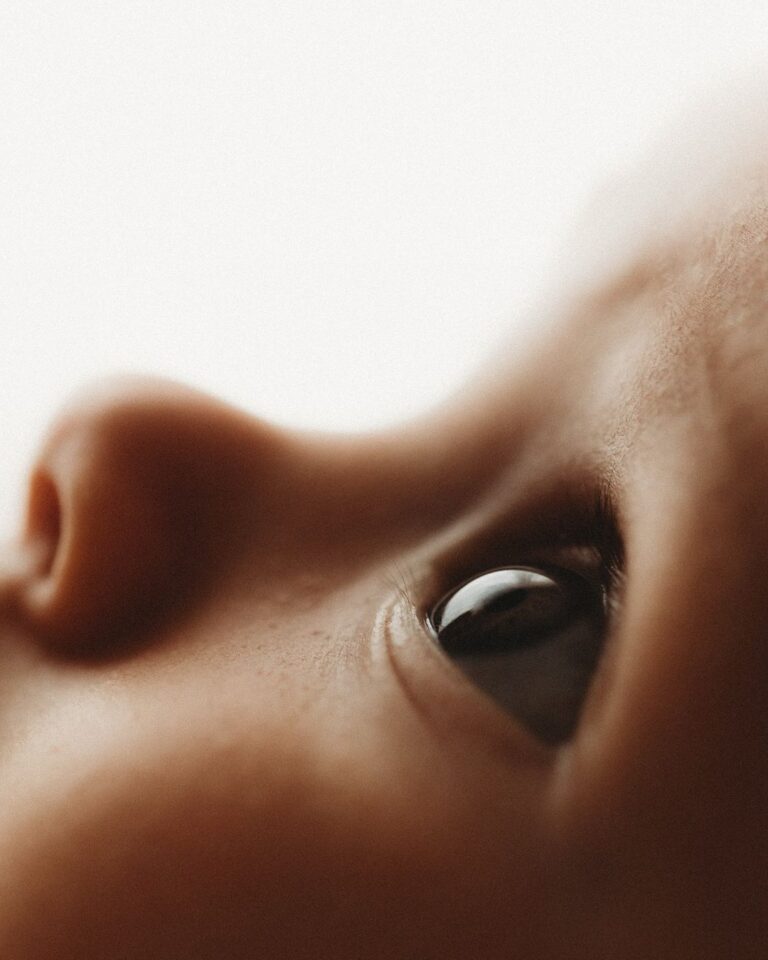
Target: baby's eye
530, 638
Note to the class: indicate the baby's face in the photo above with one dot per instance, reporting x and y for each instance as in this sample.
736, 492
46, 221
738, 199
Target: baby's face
228, 730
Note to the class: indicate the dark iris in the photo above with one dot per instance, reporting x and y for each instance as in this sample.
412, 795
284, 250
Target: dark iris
529, 638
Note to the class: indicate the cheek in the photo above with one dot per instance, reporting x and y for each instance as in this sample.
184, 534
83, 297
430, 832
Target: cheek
668, 787
345, 831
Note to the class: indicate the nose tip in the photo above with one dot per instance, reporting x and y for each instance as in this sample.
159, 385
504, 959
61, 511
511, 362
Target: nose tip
132, 500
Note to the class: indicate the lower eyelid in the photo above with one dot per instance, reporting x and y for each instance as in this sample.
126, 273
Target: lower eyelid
443, 699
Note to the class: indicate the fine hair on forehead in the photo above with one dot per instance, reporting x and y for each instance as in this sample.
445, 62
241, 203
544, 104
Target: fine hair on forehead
698, 165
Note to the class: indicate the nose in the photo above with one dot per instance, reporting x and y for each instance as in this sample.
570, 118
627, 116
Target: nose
145, 491
140, 490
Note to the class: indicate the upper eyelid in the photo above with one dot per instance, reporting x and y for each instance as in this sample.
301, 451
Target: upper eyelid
584, 560
573, 526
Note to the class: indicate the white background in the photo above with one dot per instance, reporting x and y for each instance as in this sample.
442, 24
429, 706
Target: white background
322, 210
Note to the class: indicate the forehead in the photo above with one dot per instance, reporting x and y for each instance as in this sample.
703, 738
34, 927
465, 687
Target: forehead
707, 166
654, 347
687, 310
666, 306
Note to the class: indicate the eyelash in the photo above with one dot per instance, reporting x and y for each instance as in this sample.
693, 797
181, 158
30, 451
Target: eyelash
591, 548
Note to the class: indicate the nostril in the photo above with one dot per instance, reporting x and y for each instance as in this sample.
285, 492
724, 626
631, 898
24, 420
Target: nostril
139, 498
44, 520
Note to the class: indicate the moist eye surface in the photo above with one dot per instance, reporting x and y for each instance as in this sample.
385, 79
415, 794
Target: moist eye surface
528, 637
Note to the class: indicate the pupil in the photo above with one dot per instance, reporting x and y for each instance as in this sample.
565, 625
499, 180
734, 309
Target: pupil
505, 610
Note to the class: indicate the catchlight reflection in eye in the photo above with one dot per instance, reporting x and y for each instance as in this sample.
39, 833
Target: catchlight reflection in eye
529, 638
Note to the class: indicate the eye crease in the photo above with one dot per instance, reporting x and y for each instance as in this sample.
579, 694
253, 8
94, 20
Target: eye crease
528, 637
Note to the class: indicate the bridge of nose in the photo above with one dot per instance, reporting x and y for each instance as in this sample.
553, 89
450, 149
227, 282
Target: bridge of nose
144, 490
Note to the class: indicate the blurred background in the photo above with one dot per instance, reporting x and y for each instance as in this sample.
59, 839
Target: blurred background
325, 212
